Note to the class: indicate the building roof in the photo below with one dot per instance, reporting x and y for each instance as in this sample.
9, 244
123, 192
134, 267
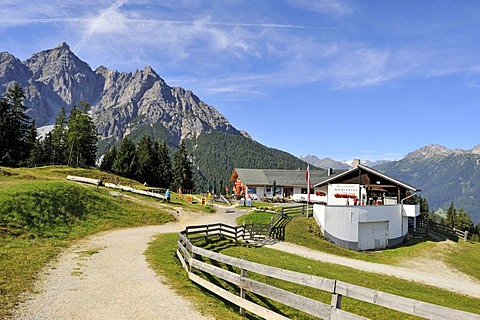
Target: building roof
337, 177
288, 178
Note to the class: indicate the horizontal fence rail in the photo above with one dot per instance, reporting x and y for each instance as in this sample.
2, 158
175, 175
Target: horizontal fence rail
191, 256
456, 233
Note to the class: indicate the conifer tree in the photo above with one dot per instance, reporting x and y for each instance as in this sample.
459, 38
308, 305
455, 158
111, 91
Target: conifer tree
182, 170
37, 155
450, 216
463, 220
145, 156
162, 164
16, 128
108, 159
47, 149
58, 133
81, 137
125, 161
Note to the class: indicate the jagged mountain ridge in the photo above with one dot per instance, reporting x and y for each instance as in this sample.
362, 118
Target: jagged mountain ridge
436, 150
121, 102
324, 163
327, 162
444, 176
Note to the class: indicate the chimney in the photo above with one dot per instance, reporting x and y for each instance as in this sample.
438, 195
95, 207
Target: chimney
330, 171
355, 163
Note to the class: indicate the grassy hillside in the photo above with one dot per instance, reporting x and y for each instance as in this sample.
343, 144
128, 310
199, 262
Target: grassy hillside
41, 212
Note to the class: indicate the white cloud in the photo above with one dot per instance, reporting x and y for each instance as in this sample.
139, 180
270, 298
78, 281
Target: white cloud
337, 7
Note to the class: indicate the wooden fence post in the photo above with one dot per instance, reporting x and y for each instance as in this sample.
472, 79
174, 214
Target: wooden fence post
243, 274
243, 235
336, 302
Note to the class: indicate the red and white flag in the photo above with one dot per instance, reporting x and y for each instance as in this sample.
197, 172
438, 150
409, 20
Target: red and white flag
307, 177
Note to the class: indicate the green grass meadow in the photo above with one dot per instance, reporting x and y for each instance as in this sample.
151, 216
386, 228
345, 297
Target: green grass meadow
41, 213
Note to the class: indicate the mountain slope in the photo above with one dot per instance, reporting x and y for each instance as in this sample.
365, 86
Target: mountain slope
444, 175
216, 154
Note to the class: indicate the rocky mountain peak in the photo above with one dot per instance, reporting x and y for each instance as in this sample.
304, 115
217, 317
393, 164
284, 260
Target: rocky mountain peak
436, 150
63, 46
122, 102
475, 150
10, 68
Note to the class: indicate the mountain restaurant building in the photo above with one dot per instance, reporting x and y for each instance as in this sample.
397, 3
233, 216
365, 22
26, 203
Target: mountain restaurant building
283, 184
365, 209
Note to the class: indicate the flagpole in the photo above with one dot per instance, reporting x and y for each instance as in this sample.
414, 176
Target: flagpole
308, 187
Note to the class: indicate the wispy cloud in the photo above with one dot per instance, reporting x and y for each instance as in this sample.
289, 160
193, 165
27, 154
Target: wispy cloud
337, 7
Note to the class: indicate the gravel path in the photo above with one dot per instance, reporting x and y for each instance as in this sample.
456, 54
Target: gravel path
106, 276
439, 275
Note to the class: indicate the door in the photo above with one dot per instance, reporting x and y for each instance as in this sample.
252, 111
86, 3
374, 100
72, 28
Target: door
372, 235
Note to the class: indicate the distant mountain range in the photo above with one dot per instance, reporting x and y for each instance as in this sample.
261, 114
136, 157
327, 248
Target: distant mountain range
327, 162
444, 175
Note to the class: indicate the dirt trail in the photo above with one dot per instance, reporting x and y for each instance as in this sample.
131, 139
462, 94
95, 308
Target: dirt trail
106, 276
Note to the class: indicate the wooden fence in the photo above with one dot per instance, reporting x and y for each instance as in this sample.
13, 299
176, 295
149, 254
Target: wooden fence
191, 258
292, 211
247, 232
455, 233
297, 211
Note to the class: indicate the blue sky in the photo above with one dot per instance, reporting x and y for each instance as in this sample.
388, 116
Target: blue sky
340, 79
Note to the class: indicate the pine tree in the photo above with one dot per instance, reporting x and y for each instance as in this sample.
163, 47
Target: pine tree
450, 216
37, 155
108, 159
16, 128
58, 133
145, 156
47, 149
163, 165
30, 143
125, 161
182, 170
81, 137
463, 220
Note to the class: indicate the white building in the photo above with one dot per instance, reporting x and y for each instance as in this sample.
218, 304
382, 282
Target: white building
365, 209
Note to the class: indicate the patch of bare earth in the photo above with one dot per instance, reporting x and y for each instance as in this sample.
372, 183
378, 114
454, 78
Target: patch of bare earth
433, 261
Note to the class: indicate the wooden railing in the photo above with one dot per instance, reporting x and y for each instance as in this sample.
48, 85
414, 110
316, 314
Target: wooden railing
246, 232
191, 259
455, 233
292, 211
